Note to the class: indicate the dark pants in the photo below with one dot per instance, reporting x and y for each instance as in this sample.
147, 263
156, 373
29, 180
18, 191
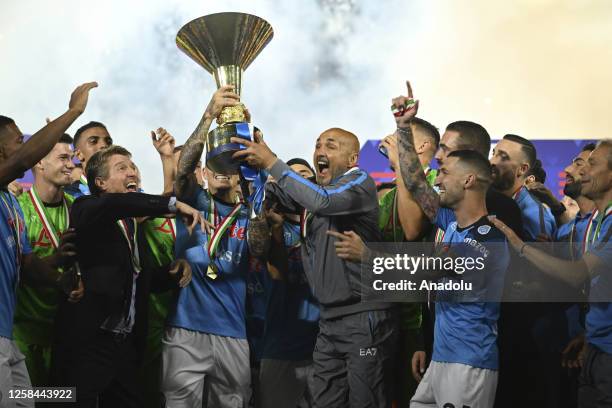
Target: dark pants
595, 382
104, 372
353, 360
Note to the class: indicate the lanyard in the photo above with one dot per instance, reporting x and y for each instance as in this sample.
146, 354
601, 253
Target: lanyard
52, 231
16, 227
131, 244
83, 180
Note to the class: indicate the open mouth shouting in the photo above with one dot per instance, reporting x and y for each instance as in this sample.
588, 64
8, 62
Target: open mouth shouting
131, 187
322, 165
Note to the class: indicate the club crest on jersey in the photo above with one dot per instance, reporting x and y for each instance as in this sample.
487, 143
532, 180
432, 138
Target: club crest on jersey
484, 229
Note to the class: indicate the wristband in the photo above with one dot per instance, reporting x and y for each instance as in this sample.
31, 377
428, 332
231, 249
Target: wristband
172, 205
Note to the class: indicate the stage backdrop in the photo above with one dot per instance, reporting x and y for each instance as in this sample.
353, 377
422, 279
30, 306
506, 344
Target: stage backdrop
554, 154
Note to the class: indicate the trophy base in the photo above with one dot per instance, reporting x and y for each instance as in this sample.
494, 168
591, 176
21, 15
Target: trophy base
219, 148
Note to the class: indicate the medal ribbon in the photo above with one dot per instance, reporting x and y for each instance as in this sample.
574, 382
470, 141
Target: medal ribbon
587, 232
600, 222
172, 225
131, 244
219, 231
304, 217
83, 180
52, 231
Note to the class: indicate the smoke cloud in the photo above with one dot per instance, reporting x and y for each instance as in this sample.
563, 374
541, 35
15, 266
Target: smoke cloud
539, 68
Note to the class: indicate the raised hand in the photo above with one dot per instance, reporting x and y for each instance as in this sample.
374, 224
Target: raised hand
79, 97
257, 154
163, 142
405, 108
223, 97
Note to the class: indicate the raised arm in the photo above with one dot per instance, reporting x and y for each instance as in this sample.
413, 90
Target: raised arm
42, 142
410, 166
186, 183
164, 144
411, 217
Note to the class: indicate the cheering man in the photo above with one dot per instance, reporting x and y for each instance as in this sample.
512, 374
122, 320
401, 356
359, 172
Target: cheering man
205, 348
16, 257
100, 340
356, 341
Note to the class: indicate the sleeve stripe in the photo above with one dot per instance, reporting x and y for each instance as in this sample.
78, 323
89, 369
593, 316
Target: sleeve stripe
316, 188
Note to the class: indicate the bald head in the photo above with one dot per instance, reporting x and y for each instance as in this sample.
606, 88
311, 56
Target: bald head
347, 140
337, 150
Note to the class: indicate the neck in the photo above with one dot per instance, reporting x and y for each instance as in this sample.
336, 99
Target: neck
585, 205
602, 202
470, 210
48, 193
515, 187
224, 195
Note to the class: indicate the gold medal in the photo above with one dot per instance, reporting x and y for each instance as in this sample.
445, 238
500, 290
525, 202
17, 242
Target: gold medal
212, 271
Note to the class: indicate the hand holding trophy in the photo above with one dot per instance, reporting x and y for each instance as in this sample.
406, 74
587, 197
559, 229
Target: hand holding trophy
225, 44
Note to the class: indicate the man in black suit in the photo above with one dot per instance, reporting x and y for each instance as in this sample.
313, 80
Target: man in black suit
99, 341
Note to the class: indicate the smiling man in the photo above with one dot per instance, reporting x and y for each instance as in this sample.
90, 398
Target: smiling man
356, 341
46, 213
100, 340
593, 268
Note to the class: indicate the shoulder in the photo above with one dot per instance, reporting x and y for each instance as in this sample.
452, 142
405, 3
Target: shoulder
484, 231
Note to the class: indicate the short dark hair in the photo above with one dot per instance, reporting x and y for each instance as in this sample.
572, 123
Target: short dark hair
430, 130
97, 166
92, 124
5, 121
473, 136
538, 172
527, 148
589, 147
65, 138
475, 161
299, 160
606, 143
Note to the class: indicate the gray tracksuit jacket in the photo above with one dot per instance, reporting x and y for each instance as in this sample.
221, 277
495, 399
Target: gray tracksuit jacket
348, 204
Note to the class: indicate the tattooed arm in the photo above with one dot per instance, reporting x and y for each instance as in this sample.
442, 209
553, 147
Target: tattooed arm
186, 183
410, 166
413, 176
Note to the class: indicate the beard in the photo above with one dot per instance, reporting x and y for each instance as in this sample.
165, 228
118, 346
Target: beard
573, 190
502, 181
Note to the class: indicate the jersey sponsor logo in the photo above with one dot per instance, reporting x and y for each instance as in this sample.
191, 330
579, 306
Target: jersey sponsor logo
484, 229
368, 352
237, 232
166, 227
477, 246
43, 241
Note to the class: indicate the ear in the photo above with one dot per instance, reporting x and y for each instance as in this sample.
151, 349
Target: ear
353, 159
39, 166
469, 182
79, 155
523, 169
101, 183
